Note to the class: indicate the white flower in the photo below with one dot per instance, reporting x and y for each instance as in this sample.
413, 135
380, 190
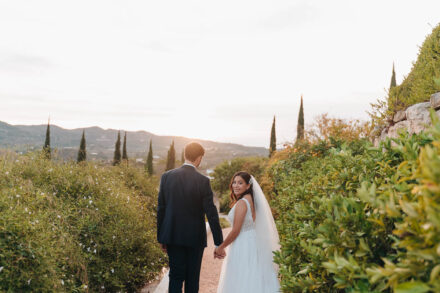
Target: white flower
7, 173
88, 248
29, 281
25, 209
90, 201
94, 251
62, 282
18, 195
1, 269
59, 217
112, 270
114, 236
102, 287
85, 286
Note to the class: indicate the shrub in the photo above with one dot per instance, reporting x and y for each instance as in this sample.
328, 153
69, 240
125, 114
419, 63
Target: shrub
353, 218
70, 227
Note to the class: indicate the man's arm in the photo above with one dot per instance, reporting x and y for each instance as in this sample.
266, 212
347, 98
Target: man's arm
160, 205
211, 214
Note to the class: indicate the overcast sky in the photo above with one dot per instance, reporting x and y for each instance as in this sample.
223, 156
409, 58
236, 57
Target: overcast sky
205, 69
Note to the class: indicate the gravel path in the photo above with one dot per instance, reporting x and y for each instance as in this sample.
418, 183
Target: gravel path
210, 273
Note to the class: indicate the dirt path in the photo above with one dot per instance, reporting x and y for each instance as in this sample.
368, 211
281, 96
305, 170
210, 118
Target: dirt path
210, 273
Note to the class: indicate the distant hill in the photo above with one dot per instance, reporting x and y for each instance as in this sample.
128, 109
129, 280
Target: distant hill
101, 143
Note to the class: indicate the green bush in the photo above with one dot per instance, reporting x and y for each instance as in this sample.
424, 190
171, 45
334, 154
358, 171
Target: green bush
423, 80
353, 218
70, 227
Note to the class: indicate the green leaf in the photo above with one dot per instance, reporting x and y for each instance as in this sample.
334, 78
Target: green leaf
412, 287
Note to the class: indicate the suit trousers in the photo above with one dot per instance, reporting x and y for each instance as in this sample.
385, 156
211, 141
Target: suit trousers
185, 263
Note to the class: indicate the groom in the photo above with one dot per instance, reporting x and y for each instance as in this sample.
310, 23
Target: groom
185, 196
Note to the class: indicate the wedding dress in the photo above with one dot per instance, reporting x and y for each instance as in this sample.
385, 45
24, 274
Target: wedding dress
248, 266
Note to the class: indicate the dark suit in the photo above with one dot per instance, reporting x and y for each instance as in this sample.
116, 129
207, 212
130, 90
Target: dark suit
185, 196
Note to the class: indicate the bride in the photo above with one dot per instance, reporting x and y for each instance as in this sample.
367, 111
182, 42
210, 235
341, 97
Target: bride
249, 266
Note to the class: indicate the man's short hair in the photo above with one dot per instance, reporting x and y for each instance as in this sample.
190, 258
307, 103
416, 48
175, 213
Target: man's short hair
193, 150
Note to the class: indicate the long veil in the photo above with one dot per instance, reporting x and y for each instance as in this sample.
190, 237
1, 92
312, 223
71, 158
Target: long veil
267, 233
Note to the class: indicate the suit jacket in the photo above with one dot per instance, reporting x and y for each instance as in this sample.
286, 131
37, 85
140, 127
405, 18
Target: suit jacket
185, 196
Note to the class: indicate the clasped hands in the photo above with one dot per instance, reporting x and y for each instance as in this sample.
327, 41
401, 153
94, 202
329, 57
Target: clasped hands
219, 253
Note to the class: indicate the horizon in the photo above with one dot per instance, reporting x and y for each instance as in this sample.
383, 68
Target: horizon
203, 70
141, 130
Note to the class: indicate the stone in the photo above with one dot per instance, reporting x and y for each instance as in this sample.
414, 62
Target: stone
419, 113
435, 101
393, 131
399, 116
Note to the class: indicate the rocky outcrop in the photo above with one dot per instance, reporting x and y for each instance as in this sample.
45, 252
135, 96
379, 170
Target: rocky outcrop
414, 119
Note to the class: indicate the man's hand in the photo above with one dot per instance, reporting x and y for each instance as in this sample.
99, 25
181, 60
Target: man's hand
219, 253
164, 247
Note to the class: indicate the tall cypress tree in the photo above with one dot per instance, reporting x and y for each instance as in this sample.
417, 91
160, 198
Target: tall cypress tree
300, 126
393, 80
82, 155
124, 148
182, 158
117, 155
149, 164
273, 139
46, 148
171, 158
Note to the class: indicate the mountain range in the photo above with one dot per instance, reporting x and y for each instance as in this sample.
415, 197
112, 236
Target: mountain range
101, 144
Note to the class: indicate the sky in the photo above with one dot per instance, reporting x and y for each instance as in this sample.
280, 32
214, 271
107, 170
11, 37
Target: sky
216, 70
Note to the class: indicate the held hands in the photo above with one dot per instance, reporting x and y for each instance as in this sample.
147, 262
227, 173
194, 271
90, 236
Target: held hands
219, 253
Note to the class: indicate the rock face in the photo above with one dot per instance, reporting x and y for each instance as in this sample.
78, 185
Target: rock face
414, 119
435, 101
399, 116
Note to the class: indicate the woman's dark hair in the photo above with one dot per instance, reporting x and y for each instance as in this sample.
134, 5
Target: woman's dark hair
236, 197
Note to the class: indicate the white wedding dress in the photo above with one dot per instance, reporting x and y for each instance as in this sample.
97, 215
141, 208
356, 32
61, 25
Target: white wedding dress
248, 266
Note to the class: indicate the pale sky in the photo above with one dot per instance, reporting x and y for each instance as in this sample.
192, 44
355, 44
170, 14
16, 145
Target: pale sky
215, 70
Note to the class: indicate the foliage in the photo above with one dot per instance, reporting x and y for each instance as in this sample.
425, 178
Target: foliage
124, 148
273, 139
171, 158
46, 147
393, 82
300, 125
325, 127
223, 173
69, 227
117, 154
420, 83
82, 154
354, 218
149, 164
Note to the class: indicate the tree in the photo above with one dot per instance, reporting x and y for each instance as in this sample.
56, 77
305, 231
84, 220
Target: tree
124, 148
82, 155
149, 164
393, 80
117, 155
171, 158
46, 148
273, 139
300, 126
182, 158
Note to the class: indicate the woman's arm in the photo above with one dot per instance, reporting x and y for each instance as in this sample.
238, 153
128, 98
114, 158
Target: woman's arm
240, 213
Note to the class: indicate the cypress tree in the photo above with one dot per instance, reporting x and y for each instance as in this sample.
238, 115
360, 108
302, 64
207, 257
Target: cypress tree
273, 139
124, 148
82, 155
171, 158
46, 148
182, 158
117, 155
149, 164
300, 126
393, 80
